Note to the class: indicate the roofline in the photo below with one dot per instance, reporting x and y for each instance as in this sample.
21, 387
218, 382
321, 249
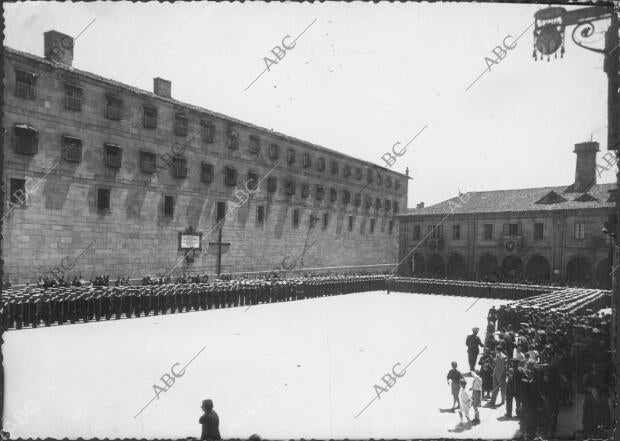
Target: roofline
512, 213
151, 95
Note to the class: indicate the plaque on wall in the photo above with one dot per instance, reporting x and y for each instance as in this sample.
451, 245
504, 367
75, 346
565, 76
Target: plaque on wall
190, 240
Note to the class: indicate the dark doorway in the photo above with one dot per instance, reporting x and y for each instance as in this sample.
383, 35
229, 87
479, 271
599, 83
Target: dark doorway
579, 271
436, 266
538, 269
457, 269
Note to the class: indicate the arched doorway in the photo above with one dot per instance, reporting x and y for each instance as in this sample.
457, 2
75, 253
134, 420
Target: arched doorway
486, 265
419, 268
603, 274
456, 267
579, 271
513, 267
436, 266
538, 269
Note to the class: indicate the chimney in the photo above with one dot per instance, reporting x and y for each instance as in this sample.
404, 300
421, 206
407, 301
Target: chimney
58, 47
585, 172
420, 205
162, 87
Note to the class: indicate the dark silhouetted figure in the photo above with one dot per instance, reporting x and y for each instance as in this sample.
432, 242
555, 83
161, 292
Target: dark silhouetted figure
210, 422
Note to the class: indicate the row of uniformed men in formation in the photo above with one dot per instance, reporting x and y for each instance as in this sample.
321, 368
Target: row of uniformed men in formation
35, 306
465, 288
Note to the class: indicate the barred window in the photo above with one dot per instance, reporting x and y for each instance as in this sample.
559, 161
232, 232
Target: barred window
230, 176
254, 146
206, 173
179, 167
307, 160
369, 175
149, 118
320, 192
113, 108
346, 197
252, 181
333, 194
26, 139
103, 199
305, 190
25, 83
290, 156
180, 124
368, 202
274, 151
346, 172
207, 130
388, 182
148, 162
232, 139
334, 168
357, 201
71, 149
358, 173
290, 188
168, 206
320, 164
388, 205
73, 97
272, 184
113, 155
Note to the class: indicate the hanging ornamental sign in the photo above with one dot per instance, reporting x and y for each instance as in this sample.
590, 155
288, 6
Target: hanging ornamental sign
548, 32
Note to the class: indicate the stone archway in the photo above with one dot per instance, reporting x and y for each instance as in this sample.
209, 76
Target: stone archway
456, 267
579, 271
603, 274
538, 269
486, 265
436, 266
419, 266
513, 267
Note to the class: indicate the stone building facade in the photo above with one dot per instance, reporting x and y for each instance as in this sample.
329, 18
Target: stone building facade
549, 234
101, 177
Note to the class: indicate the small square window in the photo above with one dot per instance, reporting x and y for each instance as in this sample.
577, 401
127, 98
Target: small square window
180, 125
320, 192
113, 108
103, 199
26, 140
230, 176
168, 206
232, 139
325, 220
18, 191
320, 165
148, 162
290, 156
113, 155
274, 151
254, 146
334, 168
372, 226
207, 130
73, 97
260, 214
296, 217
290, 188
71, 149
25, 83
350, 226
305, 190
149, 118
207, 173
179, 167
307, 161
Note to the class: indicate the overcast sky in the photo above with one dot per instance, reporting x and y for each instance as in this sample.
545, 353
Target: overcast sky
361, 78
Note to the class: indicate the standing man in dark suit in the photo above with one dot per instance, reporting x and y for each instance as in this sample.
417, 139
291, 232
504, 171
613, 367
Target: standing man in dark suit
210, 422
473, 343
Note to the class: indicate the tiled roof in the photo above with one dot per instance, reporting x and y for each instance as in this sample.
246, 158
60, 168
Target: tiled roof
499, 201
198, 109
